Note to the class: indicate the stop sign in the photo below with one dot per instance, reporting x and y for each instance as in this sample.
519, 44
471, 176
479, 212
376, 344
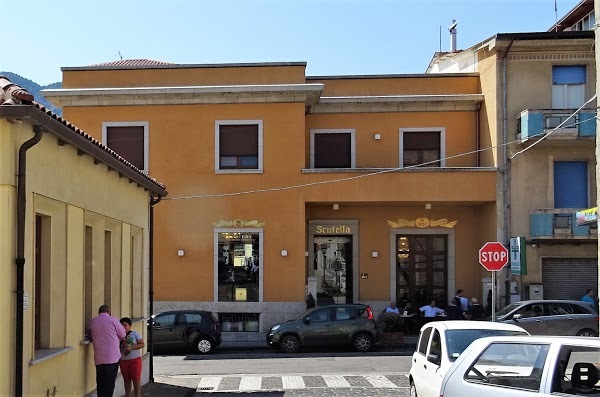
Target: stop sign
493, 256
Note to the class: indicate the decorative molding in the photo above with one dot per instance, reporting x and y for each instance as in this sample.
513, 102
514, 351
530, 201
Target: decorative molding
239, 223
422, 223
550, 56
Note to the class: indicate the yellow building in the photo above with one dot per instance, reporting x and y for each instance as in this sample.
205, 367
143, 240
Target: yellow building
76, 215
351, 188
540, 102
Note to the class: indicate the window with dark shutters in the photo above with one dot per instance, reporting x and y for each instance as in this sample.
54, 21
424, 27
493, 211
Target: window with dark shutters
333, 150
238, 146
128, 142
421, 147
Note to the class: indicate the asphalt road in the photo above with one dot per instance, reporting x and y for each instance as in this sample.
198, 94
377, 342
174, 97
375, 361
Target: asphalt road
259, 373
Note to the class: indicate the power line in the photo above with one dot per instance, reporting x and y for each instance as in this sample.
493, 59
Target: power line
302, 185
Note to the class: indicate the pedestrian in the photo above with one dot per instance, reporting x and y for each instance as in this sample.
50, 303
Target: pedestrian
464, 302
589, 298
392, 308
106, 333
454, 311
131, 359
476, 310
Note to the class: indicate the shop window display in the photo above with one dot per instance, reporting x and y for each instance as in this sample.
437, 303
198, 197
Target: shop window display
238, 266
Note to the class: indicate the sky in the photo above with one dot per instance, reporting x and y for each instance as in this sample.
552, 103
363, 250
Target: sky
334, 37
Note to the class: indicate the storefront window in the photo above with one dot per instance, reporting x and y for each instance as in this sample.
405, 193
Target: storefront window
238, 255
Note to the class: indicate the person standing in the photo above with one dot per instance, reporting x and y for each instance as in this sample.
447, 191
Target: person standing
131, 359
589, 298
476, 310
464, 302
106, 333
454, 311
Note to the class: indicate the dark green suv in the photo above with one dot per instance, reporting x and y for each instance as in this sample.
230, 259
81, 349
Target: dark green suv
327, 325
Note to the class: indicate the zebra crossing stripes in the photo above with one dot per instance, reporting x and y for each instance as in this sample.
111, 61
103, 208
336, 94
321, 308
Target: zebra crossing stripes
249, 383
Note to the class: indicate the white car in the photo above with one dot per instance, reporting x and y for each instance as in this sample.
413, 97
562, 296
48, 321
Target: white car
441, 343
526, 366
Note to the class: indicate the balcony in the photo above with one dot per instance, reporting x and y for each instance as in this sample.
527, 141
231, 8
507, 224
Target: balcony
536, 123
559, 225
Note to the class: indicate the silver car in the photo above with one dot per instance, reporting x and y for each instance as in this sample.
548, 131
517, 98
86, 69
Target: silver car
552, 317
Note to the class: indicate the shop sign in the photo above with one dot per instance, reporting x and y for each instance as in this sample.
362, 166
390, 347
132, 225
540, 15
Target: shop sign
333, 229
518, 257
585, 217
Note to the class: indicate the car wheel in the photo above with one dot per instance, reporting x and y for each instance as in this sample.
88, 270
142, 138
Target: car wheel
413, 390
290, 344
203, 345
587, 332
363, 343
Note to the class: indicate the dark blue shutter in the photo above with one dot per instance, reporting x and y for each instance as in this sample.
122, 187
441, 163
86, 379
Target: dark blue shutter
568, 74
570, 184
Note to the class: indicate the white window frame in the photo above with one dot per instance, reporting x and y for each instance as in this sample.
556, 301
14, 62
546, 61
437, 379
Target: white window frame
218, 124
441, 130
145, 124
350, 131
261, 266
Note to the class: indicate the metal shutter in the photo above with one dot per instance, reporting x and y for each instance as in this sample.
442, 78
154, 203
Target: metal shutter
568, 278
570, 184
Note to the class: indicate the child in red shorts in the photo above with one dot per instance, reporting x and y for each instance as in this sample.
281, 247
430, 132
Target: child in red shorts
131, 359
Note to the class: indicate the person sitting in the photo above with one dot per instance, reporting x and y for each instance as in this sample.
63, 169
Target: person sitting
454, 311
431, 310
392, 308
476, 310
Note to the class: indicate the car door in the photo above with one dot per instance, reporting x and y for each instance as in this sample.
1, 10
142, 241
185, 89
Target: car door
345, 324
560, 319
318, 326
531, 318
163, 328
418, 368
431, 388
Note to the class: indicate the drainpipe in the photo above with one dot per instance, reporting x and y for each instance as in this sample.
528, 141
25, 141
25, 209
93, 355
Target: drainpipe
477, 139
153, 202
20, 259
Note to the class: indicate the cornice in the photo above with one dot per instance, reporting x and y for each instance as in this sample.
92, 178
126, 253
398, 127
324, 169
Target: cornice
276, 93
398, 103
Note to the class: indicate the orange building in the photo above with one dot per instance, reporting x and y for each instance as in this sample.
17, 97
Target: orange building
351, 188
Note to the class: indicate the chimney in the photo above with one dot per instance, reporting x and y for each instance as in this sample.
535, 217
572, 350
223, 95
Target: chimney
452, 30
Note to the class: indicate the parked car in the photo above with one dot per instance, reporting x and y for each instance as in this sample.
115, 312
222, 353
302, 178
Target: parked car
525, 366
327, 325
196, 329
440, 344
552, 317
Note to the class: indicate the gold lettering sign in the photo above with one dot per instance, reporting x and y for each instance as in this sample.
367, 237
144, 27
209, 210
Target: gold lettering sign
422, 223
333, 229
239, 223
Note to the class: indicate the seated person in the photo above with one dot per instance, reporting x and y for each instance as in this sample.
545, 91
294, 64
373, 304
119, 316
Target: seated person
392, 308
409, 310
431, 310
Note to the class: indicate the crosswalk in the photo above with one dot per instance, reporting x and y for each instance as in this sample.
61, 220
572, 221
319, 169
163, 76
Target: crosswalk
254, 383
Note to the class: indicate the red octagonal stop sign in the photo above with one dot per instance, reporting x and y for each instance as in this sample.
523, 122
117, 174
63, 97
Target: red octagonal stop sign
493, 256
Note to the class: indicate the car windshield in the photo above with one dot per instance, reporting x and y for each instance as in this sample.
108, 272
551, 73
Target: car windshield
507, 309
457, 340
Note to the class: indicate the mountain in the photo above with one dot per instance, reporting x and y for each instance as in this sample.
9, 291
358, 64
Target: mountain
34, 88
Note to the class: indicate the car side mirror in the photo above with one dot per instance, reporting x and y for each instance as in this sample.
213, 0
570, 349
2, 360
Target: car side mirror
306, 320
517, 317
433, 358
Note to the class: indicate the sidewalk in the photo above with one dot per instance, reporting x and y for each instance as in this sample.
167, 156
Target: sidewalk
171, 387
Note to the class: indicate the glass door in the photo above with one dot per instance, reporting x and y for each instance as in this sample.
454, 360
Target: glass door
333, 269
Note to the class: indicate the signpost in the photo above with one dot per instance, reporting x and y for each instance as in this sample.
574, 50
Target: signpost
493, 256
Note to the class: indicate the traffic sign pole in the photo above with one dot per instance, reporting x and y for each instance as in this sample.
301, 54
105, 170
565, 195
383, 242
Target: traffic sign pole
493, 256
493, 296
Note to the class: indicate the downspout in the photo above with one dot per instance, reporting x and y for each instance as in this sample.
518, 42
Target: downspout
477, 138
153, 202
20, 259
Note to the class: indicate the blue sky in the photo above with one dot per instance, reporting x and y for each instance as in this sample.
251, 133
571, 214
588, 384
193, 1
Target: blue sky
335, 37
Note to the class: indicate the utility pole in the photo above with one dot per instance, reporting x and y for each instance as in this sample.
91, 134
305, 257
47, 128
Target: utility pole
597, 60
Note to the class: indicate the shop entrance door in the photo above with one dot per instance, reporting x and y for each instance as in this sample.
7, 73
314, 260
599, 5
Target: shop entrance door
333, 269
422, 269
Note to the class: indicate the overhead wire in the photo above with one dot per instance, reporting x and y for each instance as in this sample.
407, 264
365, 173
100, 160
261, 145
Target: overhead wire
388, 170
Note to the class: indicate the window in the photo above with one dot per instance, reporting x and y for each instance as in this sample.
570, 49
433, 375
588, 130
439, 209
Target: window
570, 184
166, 320
239, 322
516, 365
568, 86
320, 316
332, 149
108, 268
576, 371
422, 148
424, 340
459, 339
436, 348
238, 145
129, 140
239, 270
88, 311
345, 313
42, 281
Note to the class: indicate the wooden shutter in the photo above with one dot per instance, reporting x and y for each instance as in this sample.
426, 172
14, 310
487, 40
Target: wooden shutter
238, 140
333, 150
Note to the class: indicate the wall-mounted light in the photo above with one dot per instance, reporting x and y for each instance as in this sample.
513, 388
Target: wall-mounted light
283, 252
336, 206
180, 252
374, 254
377, 137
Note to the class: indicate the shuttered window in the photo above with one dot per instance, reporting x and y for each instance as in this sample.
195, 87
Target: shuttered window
570, 184
333, 150
238, 146
421, 148
568, 86
128, 142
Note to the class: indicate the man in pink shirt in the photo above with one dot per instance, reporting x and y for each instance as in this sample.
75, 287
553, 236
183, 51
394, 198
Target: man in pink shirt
106, 333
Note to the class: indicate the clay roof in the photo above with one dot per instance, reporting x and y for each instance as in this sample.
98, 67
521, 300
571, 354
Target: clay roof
12, 95
133, 63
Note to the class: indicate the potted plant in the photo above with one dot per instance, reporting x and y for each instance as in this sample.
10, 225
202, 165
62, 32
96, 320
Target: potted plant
390, 326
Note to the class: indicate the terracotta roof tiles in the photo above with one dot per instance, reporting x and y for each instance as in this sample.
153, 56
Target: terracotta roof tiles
133, 63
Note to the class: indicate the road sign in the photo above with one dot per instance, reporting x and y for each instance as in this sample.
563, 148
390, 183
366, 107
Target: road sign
493, 256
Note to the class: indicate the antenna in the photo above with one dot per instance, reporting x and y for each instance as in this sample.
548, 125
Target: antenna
440, 38
556, 15
120, 56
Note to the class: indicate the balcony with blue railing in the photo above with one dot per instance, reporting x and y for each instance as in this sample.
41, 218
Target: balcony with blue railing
536, 123
559, 224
